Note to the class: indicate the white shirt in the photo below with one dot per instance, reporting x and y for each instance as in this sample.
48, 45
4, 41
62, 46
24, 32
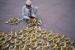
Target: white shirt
26, 12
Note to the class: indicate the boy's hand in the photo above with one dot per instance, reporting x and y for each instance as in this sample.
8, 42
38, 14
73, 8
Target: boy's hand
31, 17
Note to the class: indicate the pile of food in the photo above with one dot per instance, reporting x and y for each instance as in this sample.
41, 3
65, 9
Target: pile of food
13, 20
35, 22
35, 38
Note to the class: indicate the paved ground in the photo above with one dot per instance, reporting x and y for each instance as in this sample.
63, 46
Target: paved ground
56, 15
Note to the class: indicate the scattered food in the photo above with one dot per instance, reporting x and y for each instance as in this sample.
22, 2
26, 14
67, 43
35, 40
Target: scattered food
13, 20
35, 38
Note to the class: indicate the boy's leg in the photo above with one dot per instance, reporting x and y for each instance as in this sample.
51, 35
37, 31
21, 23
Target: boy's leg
20, 19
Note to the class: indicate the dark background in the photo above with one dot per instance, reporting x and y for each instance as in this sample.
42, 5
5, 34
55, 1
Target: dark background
56, 15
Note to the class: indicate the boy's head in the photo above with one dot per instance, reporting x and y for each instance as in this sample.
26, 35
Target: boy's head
28, 4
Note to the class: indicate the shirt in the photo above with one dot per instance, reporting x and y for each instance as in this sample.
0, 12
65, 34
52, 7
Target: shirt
26, 13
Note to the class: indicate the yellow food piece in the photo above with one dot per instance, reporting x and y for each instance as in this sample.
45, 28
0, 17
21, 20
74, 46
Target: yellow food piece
63, 44
53, 45
13, 20
4, 46
33, 21
39, 48
33, 44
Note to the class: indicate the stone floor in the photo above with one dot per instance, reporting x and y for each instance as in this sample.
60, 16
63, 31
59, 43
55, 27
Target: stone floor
56, 15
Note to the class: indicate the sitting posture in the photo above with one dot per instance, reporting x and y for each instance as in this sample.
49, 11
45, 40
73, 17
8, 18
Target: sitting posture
29, 11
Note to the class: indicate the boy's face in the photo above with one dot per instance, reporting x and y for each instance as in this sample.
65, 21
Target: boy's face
28, 6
